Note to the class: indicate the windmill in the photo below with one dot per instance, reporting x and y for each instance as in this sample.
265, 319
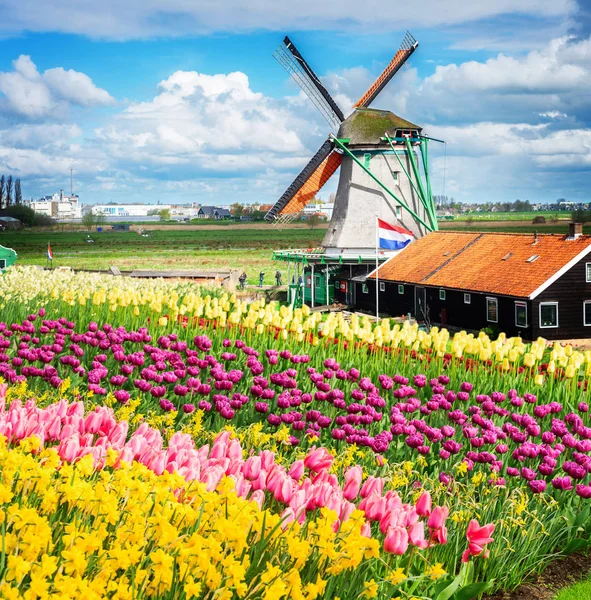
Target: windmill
378, 153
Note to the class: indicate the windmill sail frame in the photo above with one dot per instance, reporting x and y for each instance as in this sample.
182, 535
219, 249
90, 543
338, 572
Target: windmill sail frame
288, 56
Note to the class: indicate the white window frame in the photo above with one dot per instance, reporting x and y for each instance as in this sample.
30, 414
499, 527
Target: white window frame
524, 304
382, 286
467, 298
584, 322
442, 294
364, 288
587, 278
400, 289
496, 301
540, 315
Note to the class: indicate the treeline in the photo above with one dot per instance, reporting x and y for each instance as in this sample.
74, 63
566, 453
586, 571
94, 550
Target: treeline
10, 192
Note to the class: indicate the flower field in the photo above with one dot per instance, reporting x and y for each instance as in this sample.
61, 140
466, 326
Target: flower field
162, 441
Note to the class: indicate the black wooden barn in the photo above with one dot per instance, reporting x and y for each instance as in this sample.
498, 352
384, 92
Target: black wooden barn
523, 284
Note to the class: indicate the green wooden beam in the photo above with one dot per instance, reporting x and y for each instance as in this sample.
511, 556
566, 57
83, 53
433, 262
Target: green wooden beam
385, 188
417, 190
415, 169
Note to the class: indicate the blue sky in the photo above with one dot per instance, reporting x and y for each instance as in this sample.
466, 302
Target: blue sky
179, 102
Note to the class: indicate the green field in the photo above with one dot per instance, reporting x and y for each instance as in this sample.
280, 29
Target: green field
513, 216
499, 226
241, 247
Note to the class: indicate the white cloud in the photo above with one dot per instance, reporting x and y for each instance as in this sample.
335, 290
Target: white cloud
136, 18
211, 121
27, 92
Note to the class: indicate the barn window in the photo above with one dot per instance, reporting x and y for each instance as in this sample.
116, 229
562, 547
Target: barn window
492, 310
587, 313
318, 282
521, 314
442, 294
366, 160
2, 263
396, 176
548, 314
400, 289
364, 288
382, 286
588, 272
467, 298
398, 212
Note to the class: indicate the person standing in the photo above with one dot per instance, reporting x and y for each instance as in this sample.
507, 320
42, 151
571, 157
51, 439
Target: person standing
261, 278
278, 277
242, 280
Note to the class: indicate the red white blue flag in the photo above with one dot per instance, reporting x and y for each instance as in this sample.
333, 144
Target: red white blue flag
49, 252
393, 237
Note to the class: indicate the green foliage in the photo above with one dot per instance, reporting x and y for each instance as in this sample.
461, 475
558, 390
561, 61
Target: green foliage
580, 215
578, 591
164, 214
27, 216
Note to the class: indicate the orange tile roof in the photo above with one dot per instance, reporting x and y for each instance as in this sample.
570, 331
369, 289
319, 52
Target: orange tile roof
474, 261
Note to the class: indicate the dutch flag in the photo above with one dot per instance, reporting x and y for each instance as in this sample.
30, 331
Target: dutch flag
49, 252
393, 237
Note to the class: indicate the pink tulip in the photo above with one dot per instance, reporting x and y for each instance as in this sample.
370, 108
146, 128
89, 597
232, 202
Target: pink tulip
353, 478
68, 448
297, 470
396, 541
416, 535
259, 497
423, 506
318, 460
438, 517
479, 535
371, 485
252, 467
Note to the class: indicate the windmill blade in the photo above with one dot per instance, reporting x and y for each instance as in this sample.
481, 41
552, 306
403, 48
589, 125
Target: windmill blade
407, 47
288, 56
308, 183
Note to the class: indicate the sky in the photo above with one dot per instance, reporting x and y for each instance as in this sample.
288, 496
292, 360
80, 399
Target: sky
177, 101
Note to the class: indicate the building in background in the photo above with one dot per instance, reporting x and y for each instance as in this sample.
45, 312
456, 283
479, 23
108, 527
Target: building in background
58, 206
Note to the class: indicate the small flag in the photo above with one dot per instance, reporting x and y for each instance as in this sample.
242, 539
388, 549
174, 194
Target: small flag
393, 237
49, 252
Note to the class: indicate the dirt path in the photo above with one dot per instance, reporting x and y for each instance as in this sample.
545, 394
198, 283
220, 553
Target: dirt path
180, 227
558, 574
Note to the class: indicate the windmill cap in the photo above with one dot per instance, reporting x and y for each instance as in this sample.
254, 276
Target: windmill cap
366, 126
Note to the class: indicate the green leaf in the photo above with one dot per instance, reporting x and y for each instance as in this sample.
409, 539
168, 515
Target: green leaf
473, 590
449, 591
575, 545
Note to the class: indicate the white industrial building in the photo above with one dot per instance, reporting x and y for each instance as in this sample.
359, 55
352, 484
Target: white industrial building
142, 210
58, 206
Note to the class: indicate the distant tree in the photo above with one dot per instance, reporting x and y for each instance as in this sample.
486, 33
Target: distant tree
258, 215
539, 220
313, 220
153, 212
18, 194
88, 220
99, 220
580, 215
2, 191
164, 214
8, 191
237, 209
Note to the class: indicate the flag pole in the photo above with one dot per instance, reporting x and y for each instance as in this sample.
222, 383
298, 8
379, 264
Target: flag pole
377, 275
